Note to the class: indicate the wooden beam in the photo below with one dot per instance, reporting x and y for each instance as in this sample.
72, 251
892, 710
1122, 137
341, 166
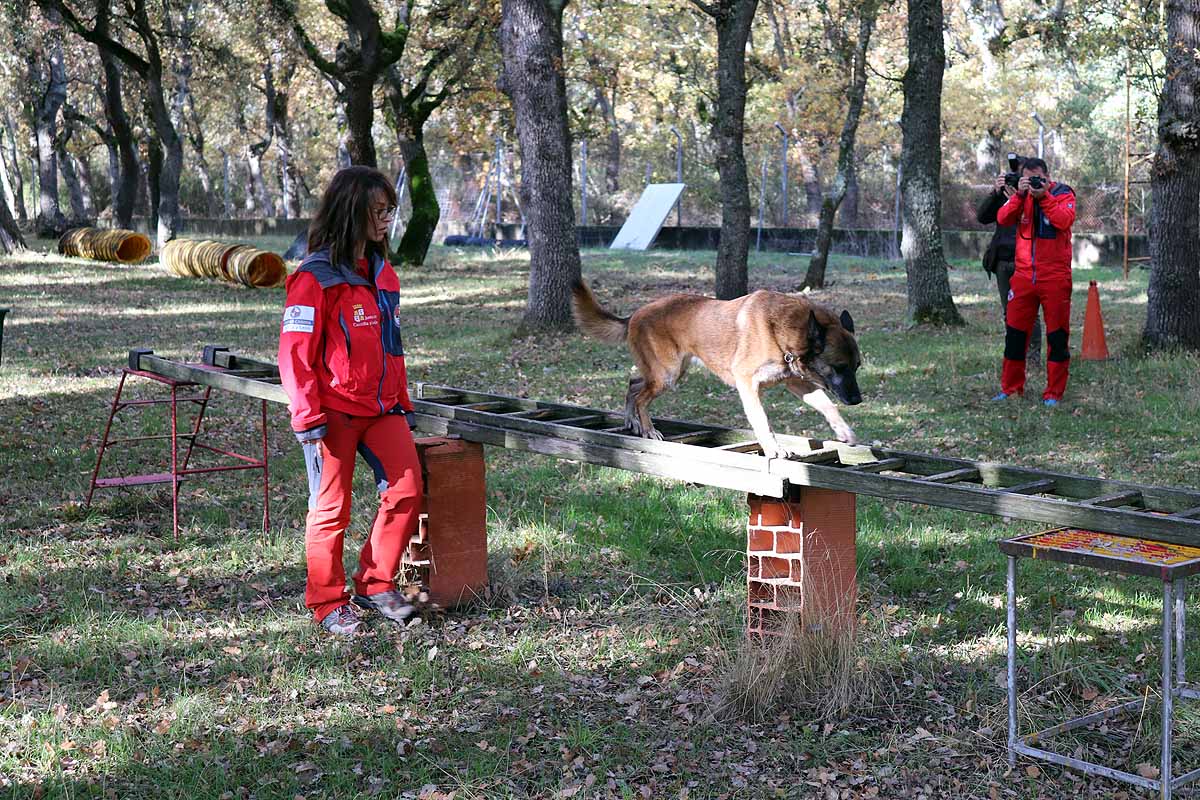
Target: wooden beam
756, 481
577, 420
1117, 499
955, 475
692, 437
1032, 487
1188, 513
489, 405
741, 447
885, 465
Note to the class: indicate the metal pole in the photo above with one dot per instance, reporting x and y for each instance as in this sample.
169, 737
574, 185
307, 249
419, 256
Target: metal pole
1168, 699
401, 185
1125, 258
583, 182
762, 201
499, 183
783, 171
1041, 133
678, 176
1011, 603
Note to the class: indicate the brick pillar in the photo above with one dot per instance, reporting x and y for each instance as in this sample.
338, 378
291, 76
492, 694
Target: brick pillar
448, 554
800, 559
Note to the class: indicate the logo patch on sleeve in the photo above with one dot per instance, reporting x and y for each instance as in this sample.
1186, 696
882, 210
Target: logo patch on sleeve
299, 319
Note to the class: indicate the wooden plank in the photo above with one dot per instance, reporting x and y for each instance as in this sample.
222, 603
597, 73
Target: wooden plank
577, 420
691, 437
819, 457
489, 405
536, 413
740, 447
209, 377
954, 475
1188, 513
743, 480
887, 464
1113, 500
1032, 487
997, 502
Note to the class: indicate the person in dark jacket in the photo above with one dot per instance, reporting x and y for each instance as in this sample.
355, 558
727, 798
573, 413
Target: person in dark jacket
999, 259
341, 360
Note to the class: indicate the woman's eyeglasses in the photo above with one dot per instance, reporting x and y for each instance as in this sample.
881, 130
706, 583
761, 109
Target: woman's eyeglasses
384, 214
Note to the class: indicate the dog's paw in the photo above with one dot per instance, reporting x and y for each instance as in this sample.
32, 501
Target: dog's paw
652, 434
844, 433
775, 451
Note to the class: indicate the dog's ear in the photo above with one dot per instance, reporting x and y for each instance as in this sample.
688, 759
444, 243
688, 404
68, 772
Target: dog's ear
816, 335
847, 322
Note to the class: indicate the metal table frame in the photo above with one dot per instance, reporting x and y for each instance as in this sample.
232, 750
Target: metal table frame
1174, 685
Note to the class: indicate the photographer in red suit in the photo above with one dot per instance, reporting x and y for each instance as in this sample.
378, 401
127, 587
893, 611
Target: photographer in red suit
1043, 211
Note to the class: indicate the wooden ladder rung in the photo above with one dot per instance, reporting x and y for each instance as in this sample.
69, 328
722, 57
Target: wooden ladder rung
740, 447
883, 465
819, 457
576, 420
953, 476
689, 436
1033, 487
1114, 500
485, 405
531, 413
1188, 513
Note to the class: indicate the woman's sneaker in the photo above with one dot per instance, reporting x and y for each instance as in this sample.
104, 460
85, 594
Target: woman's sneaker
393, 605
342, 621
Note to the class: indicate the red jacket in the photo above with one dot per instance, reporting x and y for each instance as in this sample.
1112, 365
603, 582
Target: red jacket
1043, 231
339, 344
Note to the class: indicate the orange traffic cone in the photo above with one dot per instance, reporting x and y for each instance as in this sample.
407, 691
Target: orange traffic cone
1094, 346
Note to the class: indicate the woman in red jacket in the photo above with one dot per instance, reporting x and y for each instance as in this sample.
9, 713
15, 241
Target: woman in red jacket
342, 363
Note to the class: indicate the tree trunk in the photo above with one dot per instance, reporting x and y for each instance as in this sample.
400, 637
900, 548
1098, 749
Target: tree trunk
418, 235
154, 177
857, 92
733, 19
83, 168
289, 177
125, 187
79, 213
48, 79
848, 213
531, 39
258, 186
810, 175
359, 99
18, 181
1173, 307
10, 194
929, 297
10, 235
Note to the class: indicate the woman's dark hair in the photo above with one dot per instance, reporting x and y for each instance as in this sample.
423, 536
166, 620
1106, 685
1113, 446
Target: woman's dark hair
344, 212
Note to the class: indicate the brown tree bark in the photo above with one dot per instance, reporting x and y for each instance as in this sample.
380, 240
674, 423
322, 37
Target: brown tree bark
47, 80
531, 39
125, 186
856, 94
733, 19
929, 297
1173, 307
18, 182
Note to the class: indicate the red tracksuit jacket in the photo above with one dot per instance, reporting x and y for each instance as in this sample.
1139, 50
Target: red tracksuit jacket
339, 344
1043, 238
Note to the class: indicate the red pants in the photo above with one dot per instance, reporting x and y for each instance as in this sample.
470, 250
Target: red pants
1054, 296
386, 444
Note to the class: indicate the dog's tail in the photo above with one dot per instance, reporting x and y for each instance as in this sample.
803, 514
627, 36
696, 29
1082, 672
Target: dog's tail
594, 320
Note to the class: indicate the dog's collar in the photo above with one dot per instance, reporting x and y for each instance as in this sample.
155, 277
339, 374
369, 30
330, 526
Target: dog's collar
788, 358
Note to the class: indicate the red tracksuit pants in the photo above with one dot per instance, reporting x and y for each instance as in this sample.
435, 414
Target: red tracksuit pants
386, 444
1053, 294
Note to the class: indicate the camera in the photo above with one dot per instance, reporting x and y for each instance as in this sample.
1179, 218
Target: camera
1036, 181
1014, 170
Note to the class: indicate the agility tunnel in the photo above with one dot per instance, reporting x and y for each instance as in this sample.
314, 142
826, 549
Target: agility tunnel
101, 244
233, 263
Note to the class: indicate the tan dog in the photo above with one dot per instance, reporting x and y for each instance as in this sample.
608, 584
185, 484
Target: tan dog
750, 343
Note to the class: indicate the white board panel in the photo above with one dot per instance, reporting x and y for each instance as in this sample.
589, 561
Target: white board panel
647, 216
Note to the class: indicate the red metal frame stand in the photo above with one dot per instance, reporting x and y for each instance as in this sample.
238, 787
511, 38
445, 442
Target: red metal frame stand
180, 470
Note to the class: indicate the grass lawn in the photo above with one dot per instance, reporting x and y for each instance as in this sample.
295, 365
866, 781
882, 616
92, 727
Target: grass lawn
602, 664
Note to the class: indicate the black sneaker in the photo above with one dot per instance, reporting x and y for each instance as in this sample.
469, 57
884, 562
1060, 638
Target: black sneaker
393, 605
342, 621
